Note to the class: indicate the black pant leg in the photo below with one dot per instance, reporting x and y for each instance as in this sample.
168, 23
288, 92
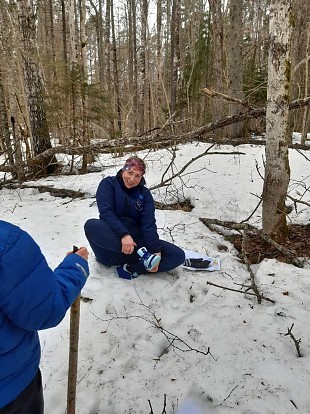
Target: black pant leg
29, 401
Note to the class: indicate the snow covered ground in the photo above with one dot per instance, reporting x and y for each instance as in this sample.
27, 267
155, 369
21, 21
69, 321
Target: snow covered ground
144, 343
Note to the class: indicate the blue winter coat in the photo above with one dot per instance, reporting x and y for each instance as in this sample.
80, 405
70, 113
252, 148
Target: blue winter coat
119, 206
32, 297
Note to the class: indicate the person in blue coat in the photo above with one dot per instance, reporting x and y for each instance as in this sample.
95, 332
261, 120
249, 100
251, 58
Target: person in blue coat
126, 223
32, 297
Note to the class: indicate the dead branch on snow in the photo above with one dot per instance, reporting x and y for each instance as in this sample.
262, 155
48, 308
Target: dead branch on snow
296, 341
242, 226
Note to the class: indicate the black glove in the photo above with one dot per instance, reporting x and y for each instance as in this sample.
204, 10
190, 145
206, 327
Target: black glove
198, 263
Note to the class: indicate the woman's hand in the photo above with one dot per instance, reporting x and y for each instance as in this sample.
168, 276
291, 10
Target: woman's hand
128, 244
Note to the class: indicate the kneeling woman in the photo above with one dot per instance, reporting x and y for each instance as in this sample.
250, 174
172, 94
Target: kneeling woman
126, 223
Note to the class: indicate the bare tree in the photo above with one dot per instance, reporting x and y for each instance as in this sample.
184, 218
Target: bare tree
5, 141
218, 56
159, 80
235, 61
64, 34
142, 67
277, 170
300, 62
34, 82
117, 98
174, 53
132, 64
305, 117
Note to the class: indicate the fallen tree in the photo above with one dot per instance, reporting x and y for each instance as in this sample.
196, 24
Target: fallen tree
248, 229
156, 139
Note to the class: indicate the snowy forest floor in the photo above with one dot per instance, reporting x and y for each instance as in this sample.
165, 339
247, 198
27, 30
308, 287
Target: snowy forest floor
257, 249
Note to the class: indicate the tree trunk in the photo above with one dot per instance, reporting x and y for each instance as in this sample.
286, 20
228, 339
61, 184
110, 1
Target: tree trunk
218, 58
235, 64
277, 171
84, 70
135, 64
115, 75
132, 67
142, 101
5, 141
34, 84
100, 41
301, 18
159, 75
17, 142
64, 34
304, 128
174, 55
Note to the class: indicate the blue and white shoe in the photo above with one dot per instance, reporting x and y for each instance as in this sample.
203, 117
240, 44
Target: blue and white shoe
123, 273
150, 260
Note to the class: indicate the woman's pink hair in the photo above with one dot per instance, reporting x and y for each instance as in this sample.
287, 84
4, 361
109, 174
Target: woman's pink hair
136, 162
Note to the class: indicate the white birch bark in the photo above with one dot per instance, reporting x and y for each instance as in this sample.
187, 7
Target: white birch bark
277, 171
34, 84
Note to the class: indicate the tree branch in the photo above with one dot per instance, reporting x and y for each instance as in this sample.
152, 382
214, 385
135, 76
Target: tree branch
213, 94
296, 341
239, 291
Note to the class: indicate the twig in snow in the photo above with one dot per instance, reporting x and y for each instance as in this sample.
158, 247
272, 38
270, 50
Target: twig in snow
165, 401
248, 265
151, 412
294, 404
228, 395
174, 341
239, 291
164, 408
296, 341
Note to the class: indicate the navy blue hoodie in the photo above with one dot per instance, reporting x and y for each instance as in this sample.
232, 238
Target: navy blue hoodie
119, 206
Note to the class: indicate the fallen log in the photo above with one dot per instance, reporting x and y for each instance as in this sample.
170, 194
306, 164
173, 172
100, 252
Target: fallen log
156, 140
252, 229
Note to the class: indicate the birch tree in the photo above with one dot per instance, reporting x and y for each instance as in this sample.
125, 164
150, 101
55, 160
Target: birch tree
33, 82
277, 170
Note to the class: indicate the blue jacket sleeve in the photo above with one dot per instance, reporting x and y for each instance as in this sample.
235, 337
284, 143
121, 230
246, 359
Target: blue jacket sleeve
32, 296
105, 197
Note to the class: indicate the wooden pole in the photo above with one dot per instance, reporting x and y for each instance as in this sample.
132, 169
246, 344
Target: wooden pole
73, 352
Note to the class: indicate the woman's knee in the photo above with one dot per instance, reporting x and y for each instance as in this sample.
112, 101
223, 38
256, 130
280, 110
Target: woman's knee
178, 256
91, 226
173, 256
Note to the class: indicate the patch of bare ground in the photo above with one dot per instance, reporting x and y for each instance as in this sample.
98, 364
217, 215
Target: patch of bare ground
258, 249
